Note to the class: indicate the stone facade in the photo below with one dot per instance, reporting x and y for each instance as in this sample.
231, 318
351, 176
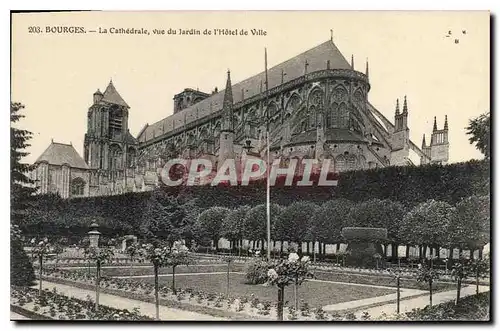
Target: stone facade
314, 106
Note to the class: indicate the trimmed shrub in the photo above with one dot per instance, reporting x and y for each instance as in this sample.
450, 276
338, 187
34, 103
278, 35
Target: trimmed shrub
256, 271
364, 234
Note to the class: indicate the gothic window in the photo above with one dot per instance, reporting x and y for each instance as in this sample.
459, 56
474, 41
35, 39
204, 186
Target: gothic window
115, 157
77, 187
340, 163
131, 157
334, 113
312, 117
115, 121
350, 162
272, 110
358, 96
293, 104
339, 94
343, 116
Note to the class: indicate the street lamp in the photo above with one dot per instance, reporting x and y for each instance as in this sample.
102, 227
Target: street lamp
94, 235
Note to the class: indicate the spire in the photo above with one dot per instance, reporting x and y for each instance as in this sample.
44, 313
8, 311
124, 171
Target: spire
367, 71
435, 127
397, 106
405, 107
228, 92
352, 61
423, 141
446, 122
327, 64
331, 35
98, 92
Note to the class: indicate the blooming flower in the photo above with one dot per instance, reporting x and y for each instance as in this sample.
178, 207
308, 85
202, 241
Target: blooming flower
293, 257
419, 266
271, 273
305, 259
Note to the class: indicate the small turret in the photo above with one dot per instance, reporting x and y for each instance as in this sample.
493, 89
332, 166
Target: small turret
423, 142
405, 107
446, 122
97, 96
352, 61
435, 127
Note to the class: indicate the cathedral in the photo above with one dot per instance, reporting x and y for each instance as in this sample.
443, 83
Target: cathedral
314, 106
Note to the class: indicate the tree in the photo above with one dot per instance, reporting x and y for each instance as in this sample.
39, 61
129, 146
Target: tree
288, 272
210, 223
233, 225
376, 213
178, 255
427, 225
293, 222
328, 220
478, 268
427, 275
157, 254
42, 251
479, 130
21, 186
155, 222
21, 268
470, 229
255, 222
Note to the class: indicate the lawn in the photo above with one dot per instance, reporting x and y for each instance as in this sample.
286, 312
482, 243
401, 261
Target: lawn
316, 294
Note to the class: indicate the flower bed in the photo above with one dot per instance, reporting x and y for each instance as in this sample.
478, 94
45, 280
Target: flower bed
243, 308
52, 305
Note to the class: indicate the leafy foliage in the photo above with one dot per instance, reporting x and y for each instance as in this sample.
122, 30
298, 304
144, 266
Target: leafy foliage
471, 226
256, 271
255, 222
293, 222
210, 222
328, 220
21, 186
233, 225
427, 223
21, 268
479, 129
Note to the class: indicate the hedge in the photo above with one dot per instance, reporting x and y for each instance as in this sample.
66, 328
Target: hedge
122, 214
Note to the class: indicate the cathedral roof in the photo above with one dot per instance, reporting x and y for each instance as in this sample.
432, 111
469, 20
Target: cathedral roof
316, 59
111, 95
129, 139
59, 154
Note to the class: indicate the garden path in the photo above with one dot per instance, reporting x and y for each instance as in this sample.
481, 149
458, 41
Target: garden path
420, 302
17, 317
146, 308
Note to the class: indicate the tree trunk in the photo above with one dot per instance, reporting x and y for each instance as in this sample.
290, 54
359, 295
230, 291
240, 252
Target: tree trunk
281, 248
157, 299
295, 295
385, 249
337, 249
320, 252
430, 292
216, 244
253, 244
480, 253
477, 282
308, 250
459, 287
407, 253
314, 250
299, 248
394, 250
398, 294
173, 280
97, 283
227, 288
281, 291
40, 262
420, 252
424, 251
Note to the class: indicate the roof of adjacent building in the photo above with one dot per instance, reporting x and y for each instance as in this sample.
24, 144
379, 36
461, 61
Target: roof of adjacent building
316, 58
111, 95
59, 154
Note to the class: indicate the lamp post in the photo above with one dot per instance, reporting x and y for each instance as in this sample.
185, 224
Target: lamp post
94, 235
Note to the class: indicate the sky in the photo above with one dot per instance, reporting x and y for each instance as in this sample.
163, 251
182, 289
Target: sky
55, 75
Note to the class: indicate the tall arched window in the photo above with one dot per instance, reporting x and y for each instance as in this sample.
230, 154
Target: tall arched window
340, 163
351, 161
77, 187
115, 157
293, 104
312, 117
334, 113
343, 115
131, 157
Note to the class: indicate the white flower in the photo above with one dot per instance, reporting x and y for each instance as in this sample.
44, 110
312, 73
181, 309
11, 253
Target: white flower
305, 259
419, 266
271, 273
293, 257
33, 240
